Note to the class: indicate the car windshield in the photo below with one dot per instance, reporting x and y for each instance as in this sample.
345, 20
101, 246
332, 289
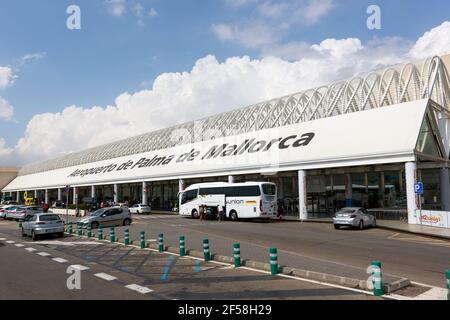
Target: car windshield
97, 213
347, 211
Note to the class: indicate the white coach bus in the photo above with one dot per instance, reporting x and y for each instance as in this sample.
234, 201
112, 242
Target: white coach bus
241, 200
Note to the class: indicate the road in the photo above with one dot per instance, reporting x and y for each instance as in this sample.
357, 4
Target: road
37, 270
311, 246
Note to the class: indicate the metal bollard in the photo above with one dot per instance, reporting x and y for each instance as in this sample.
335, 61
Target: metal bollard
112, 234
100, 233
206, 252
161, 243
70, 228
237, 254
377, 278
182, 247
447, 276
273, 261
89, 231
79, 229
126, 237
142, 239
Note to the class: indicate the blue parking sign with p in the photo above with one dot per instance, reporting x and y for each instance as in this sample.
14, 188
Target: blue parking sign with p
418, 188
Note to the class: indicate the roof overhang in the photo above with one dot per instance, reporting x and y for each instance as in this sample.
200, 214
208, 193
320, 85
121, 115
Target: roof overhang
378, 136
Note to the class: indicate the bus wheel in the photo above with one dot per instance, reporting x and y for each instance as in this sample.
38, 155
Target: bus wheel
233, 216
195, 214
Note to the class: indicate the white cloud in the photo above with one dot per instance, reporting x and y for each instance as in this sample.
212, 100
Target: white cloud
4, 150
152, 12
6, 110
212, 86
436, 40
116, 7
253, 35
6, 77
314, 10
239, 3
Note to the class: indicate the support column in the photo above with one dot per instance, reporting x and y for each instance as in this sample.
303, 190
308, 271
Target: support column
35, 194
302, 195
144, 193
181, 185
75, 195
46, 196
59, 194
348, 190
230, 179
445, 189
18, 196
411, 179
116, 193
92, 191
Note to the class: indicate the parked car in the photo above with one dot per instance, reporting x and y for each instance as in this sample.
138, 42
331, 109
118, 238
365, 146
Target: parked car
140, 208
354, 217
42, 224
3, 209
107, 217
10, 211
21, 212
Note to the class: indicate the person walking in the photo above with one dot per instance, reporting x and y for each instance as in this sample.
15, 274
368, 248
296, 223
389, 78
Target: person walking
201, 211
220, 212
280, 210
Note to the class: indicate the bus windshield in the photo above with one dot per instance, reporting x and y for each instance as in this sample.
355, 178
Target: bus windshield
269, 189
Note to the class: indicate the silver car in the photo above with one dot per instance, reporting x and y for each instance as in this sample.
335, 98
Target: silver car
42, 224
107, 217
20, 213
354, 217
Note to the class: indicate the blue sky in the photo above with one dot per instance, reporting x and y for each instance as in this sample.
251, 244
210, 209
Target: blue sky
127, 49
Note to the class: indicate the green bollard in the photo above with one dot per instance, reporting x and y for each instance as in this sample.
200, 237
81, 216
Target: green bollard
377, 278
100, 233
206, 252
237, 254
273, 261
142, 239
126, 240
447, 278
70, 228
112, 234
182, 247
161, 243
79, 229
89, 231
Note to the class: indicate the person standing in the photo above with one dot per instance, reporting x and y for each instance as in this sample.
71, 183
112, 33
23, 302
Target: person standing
280, 210
201, 211
220, 212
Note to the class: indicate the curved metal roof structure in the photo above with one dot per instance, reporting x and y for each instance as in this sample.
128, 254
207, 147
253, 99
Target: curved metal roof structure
397, 84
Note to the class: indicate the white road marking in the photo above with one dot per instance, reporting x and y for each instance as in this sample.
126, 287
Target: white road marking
2, 239
61, 243
19, 245
105, 276
434, 293
60, 260
30, 249
10, 241
79, 267
43, 254
139, 289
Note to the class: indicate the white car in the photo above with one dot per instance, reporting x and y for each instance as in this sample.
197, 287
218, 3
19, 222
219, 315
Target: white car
20, 213
140, 208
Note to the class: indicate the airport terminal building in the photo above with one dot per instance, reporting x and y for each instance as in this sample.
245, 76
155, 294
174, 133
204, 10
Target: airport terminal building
363, 142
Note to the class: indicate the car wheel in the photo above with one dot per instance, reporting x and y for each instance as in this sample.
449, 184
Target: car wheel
361, 225
126, 222
194, 214
137, 211
94, 225
61, 235
234, 216
34, 236
337, 227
